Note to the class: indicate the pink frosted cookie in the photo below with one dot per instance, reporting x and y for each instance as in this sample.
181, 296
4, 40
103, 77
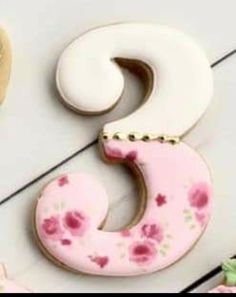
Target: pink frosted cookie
229, 269
8, 286
178, 205
176, 183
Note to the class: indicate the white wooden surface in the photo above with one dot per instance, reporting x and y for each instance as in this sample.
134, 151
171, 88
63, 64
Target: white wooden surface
37, 133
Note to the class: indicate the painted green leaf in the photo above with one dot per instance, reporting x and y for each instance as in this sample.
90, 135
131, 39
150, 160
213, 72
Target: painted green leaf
63, 205
166, 247
163, 253
186, 211
188, 218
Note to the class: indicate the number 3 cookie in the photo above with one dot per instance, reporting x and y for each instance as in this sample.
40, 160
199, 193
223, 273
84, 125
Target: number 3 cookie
175, 181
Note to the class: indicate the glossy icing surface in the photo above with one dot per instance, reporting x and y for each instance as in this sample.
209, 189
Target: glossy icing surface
89, 80
179, 200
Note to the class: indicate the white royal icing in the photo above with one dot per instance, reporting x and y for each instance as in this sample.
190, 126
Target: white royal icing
90, 80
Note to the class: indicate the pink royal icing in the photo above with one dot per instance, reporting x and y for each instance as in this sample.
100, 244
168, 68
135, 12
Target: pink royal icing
179, 200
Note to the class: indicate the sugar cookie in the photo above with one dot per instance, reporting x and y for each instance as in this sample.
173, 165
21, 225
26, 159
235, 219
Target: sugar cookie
5, 63
8, 286
175, 181
229, 269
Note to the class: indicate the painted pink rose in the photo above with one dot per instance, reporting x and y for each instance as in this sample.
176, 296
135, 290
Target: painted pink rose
52, 229
125, 233
199, 196
153, 231
131, 156
66, 242
201, 218
117, 154
62, 181
142, 253
161, 200
100, 261
76, 223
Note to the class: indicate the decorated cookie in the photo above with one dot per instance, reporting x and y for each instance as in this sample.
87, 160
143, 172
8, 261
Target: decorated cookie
175, 181
5, 63
8, 286
229, 269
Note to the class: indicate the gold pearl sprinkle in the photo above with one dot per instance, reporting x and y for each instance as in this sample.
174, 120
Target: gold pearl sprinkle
132, 137
146, 137
116, 136
119, 136
162, 139
135, 136
174, 140
105, 136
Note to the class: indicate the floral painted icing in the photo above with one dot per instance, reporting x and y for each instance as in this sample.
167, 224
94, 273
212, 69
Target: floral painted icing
76, 223
8, 286
52, 228
199, 196
142, 252
178, 205
153, 231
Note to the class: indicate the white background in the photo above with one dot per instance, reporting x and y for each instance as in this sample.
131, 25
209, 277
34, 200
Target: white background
37, 133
